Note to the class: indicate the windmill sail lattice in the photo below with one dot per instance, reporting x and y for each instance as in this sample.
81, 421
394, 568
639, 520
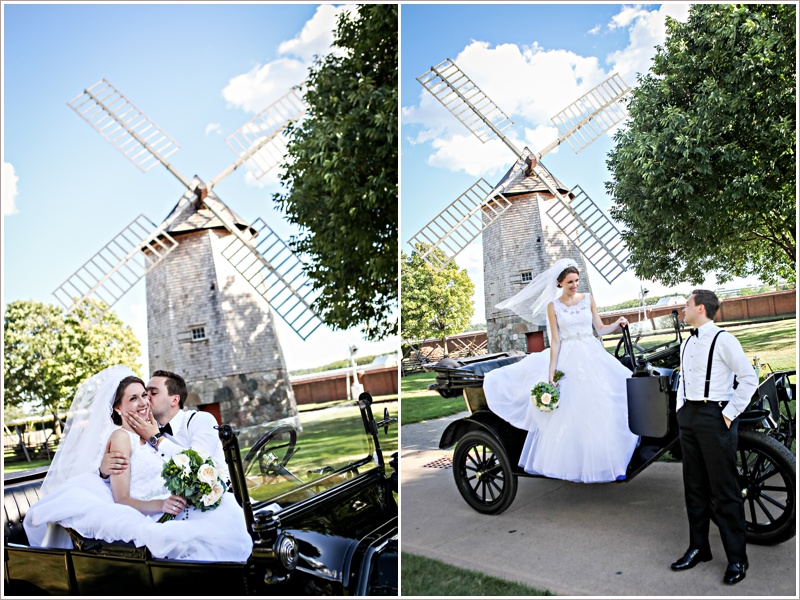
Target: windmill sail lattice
284, 283
591, 115
461, 222
465, 100
107, 276
593, 232
258, 143
129, 130
580, 123
116, 268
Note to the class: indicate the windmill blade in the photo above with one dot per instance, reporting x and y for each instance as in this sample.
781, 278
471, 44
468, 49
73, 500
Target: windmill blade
465, 100
461, 222
591, 115
127, 128
116, 268
277, 274
592, 231
258, 143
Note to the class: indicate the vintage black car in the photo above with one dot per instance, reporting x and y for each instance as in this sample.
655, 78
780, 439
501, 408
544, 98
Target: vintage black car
318, 498
487, 448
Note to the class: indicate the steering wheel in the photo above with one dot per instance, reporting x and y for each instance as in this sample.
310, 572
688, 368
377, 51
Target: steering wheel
270, 466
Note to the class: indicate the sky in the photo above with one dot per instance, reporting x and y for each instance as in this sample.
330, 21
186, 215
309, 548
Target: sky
199, 71
532, 60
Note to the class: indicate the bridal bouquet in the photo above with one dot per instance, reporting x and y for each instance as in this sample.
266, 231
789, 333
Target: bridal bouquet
194, 476
545, 395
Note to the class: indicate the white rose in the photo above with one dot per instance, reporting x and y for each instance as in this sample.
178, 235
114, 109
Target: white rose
182, 461
212, 496
546, 398
207, 474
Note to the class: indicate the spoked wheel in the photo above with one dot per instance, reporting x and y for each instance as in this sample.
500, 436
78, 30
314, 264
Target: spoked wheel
768, 474
483, 473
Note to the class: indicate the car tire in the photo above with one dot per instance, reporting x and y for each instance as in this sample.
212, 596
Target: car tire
450, 392
483, 473
768, 474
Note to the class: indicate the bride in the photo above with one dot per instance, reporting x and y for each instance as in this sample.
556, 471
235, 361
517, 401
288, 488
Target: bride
586, 438
128, 507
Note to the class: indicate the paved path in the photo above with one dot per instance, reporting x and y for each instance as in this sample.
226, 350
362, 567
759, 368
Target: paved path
611, 539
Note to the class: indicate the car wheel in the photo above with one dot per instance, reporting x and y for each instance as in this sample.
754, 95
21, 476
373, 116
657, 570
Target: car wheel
768, 474
450, 392
483, 473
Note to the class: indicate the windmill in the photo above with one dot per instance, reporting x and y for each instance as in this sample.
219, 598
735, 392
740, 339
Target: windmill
529, 219
211, 277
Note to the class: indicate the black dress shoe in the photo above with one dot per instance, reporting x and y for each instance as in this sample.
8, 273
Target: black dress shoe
691, 559
735, 573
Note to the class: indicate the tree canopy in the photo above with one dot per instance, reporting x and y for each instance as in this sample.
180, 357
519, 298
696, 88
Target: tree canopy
435, 303
341, 173
704, 175
48, 353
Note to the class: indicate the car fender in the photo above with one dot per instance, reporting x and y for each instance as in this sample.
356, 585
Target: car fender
510, 437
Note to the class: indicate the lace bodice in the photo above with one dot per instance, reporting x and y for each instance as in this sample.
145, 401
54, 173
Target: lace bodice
574, 322
146, 465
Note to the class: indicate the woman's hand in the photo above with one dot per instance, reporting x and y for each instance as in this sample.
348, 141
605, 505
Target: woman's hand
620, 322
146, 428
173, 505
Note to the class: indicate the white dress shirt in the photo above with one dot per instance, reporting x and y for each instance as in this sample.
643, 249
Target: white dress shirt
197, 435
729, 360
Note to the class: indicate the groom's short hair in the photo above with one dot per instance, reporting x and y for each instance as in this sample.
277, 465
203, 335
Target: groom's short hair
176, 386
708, 299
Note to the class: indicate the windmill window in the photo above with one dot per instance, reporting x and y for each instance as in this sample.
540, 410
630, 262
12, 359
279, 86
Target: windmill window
526, 276
198, 333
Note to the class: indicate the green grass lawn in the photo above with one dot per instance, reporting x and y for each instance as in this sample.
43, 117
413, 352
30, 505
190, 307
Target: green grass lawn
420, 404
426, 577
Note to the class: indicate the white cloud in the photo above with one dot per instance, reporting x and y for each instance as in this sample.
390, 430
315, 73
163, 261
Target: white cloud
9, 193
213, 128
316, 36
595, 30
646, 31
263, 84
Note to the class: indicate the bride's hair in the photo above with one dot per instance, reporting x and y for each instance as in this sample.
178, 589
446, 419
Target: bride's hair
565, 272
123, 385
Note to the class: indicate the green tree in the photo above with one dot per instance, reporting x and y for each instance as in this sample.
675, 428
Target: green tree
704, 175
341, 173
48, 353
434, 303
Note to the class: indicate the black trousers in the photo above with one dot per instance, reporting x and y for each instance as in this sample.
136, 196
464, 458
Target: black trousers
709, 471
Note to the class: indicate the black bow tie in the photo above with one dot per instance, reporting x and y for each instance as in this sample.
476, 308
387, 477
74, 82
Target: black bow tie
166, 429
691, 331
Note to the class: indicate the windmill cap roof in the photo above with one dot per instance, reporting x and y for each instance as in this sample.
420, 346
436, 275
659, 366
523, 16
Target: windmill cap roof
199, 216
517, 183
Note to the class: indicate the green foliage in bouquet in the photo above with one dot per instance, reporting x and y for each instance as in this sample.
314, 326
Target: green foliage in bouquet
545, 395
196, 478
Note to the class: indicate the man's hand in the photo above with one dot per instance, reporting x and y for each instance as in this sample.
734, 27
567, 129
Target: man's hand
145, 429
727, 421
113, 463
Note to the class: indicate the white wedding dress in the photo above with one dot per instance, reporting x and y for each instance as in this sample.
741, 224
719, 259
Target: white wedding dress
85, 504
586, 439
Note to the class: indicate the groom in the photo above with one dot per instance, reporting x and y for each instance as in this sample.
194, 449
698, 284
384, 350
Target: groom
715, 386
172, 429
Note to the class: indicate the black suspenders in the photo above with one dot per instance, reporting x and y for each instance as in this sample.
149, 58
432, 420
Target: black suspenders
708, 368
